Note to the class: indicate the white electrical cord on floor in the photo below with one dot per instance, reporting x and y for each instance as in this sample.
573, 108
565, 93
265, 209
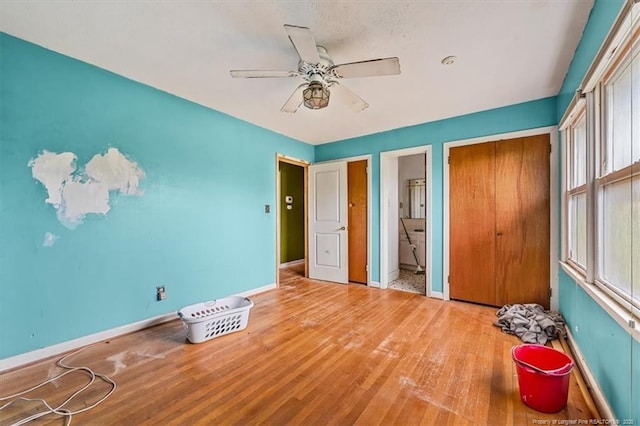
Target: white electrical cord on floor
59, 410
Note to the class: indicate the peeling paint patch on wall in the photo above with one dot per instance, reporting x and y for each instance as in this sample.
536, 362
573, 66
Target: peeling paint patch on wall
52, 170
77, 192
116, 172
49, 239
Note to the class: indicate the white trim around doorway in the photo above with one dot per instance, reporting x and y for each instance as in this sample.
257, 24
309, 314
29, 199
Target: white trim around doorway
385, 204
300, 163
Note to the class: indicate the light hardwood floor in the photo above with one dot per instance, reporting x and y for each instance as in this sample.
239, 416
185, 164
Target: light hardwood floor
314, 353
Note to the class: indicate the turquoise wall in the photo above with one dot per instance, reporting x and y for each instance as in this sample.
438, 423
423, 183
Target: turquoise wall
609, 349
611, 352
208, 177
199, 223
601, 18
529, 115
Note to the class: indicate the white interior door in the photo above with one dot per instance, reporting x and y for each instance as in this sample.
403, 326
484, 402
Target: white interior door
328, 222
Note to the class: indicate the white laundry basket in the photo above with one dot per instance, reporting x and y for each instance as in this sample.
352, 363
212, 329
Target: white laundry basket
207, 320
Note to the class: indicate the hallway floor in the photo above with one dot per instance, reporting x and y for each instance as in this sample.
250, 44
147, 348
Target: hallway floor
409, 281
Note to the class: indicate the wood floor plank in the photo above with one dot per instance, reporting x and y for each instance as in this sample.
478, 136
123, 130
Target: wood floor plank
313, 353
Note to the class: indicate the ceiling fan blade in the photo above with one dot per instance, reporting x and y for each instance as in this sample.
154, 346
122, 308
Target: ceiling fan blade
294, 101
352, 100
262, 74
370, 68
304, 43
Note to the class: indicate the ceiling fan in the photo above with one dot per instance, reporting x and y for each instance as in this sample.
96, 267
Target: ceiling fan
320, 74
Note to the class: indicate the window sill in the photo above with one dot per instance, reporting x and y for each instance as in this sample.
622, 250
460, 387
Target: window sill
627, 320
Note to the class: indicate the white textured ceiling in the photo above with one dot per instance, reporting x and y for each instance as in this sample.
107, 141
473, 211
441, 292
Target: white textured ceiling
509, 51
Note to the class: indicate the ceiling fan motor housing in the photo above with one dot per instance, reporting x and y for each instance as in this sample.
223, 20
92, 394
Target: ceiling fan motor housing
309, 71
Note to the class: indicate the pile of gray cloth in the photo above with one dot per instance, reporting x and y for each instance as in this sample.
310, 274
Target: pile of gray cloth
530, 322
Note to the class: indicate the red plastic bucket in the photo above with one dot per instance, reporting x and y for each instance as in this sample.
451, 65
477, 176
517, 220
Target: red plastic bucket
543, 376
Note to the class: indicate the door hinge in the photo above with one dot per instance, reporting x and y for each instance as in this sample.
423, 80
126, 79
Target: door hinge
449, 159
366, 268
550, 148
550, 292
366, 170
448, 279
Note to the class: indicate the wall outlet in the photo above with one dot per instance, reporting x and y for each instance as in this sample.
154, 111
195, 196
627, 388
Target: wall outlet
161, 293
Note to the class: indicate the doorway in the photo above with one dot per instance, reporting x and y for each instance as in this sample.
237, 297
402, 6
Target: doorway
411, 230
291, 218
405, 204
499, 202
553, 213
339, 221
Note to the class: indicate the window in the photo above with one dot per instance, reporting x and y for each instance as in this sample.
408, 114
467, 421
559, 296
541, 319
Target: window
601, 138
576, 141
618, 180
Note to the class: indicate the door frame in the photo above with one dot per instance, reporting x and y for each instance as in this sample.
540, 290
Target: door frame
553, 194
385, 229
367, 157
305, 165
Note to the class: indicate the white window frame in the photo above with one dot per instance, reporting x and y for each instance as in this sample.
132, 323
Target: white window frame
621, 307
606, 177
568, 134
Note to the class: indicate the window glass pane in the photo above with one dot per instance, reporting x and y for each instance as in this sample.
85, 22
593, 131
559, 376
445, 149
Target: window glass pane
616, 235
621, 119
578, 229
635, 254
579, 151
635, 107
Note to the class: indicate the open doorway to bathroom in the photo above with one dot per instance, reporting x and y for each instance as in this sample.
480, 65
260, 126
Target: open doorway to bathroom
405, 219
411, 229
291, 215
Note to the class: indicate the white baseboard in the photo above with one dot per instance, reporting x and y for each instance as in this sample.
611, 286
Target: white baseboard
38, 354
374, 284
258, 290
291, 263
393, 275
594, 389
411, 267
436, 295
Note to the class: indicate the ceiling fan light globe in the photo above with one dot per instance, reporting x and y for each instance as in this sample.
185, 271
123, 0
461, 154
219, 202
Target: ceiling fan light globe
316, 96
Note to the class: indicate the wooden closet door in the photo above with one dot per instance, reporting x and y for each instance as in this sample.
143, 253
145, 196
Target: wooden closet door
472, 201
522, 220
357, 195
